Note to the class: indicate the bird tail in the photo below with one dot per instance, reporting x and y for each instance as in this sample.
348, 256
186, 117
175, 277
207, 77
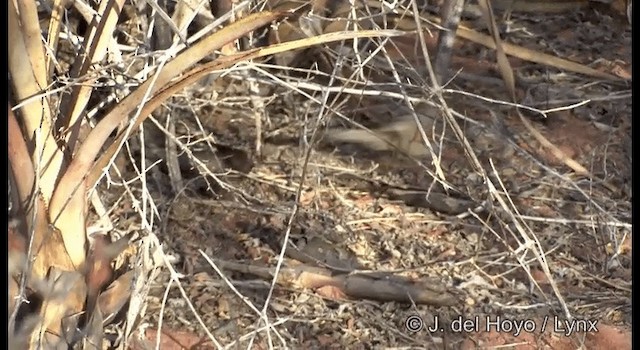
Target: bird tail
371, 140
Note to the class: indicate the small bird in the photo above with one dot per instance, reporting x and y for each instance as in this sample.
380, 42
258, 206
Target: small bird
402, 135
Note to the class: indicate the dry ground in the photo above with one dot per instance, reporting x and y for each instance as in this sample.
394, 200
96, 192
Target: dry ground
488, 257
